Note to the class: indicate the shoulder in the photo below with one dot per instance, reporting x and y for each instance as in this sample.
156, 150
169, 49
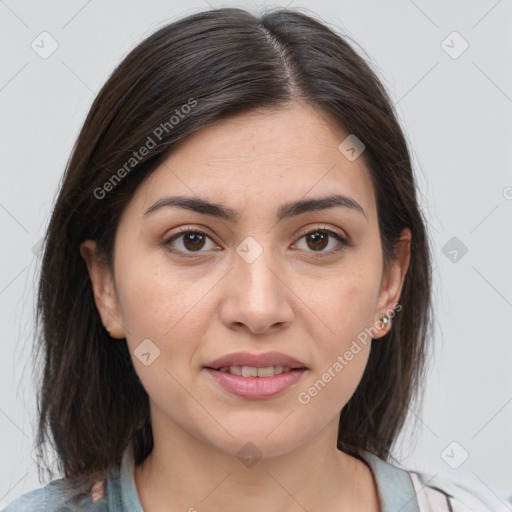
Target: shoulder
409, 490
442, 494
54, 498
34, 501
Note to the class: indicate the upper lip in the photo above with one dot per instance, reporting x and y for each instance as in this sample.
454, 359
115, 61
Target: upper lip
262, 360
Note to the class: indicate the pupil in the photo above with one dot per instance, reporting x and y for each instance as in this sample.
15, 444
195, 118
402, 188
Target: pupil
192, 236
318, 239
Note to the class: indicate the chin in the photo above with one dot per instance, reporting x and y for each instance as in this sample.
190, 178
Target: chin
263, 441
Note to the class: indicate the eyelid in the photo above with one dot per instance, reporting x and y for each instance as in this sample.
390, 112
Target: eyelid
324, 227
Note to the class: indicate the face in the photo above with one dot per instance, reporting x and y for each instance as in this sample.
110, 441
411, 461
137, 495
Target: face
188, 287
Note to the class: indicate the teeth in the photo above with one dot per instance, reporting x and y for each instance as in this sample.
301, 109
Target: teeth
235, 370
279, 369
266, 372
252, 371
249, 371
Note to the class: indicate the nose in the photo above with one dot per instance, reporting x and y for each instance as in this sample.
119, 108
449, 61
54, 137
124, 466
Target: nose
258, 299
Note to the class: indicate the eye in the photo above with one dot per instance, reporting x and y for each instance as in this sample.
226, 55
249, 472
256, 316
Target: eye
318, 240
193, 240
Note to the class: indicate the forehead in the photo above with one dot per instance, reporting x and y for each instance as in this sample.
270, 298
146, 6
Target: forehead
261, 158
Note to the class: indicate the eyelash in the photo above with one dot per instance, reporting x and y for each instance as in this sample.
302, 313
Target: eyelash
344, 243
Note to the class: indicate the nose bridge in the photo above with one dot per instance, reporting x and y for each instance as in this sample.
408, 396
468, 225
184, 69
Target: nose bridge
256, 268
258, 295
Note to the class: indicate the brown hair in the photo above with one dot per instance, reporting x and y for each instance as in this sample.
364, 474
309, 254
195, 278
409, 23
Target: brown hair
218, 62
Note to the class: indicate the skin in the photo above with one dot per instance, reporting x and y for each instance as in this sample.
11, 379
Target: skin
288, 299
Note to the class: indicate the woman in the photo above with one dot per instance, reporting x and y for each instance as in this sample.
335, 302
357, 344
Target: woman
234, 303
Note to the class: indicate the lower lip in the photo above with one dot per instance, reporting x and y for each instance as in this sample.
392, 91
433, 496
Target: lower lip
256, 387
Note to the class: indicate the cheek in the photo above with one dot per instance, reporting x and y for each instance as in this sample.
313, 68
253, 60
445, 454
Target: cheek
154, 298
346, 307
165, 305
342, 352
160, 311
336, 375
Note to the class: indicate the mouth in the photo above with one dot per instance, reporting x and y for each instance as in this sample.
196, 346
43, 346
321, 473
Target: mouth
246, 364
254, 371
254, 376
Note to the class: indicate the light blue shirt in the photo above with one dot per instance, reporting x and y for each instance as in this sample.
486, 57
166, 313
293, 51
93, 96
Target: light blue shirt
394, 487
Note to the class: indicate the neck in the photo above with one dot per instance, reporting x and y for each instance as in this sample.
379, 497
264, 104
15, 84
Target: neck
185, 473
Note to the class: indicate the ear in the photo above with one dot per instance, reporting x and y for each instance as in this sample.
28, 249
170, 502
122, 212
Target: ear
103, 289
392, 282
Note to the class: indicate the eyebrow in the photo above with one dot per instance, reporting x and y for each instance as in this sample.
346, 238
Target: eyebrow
285, 211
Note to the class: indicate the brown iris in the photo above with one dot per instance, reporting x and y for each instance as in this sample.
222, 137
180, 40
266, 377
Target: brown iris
319, 239
196, 241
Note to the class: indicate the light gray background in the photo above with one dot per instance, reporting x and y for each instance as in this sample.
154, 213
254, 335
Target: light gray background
457, 114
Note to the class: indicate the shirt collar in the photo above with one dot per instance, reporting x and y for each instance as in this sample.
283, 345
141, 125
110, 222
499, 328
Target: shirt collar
394, 485
129, 496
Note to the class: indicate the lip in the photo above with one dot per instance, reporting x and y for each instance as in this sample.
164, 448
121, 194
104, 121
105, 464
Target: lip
262, 360
256, 387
